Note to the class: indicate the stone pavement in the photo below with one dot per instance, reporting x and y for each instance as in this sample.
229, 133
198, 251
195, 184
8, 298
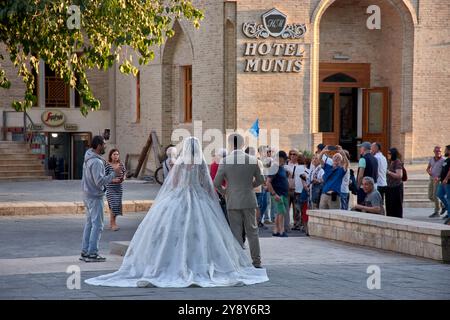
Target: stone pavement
68, 191
36, 251
64, 196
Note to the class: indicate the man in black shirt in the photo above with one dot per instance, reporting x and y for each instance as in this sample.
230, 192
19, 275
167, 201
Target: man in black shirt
367, 167
444, 187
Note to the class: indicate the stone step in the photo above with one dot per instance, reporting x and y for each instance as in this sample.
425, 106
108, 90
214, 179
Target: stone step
18, 156
415, 196
11, 162
25, 178
422, 203
4, 147
21, 167
415, 189
12, 143
14, 150
25, 173
417, 182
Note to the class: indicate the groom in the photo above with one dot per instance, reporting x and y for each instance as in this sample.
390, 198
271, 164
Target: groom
242, 173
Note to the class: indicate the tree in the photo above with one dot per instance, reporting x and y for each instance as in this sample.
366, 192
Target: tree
57, 31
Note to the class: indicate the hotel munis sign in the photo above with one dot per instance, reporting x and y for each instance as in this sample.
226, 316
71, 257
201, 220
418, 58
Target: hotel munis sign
273, 56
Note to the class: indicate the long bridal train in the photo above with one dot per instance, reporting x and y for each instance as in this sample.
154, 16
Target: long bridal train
185, 240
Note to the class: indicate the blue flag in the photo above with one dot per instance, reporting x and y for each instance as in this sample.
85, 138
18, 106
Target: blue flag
254, 130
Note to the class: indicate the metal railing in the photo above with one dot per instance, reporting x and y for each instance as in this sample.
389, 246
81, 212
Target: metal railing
28, 131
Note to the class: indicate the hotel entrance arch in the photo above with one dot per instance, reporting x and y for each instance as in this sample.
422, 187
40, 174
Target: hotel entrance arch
341, 40
349, 109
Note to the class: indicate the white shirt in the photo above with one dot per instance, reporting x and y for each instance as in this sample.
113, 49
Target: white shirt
299, 170
316, 173
382, 168
345, 182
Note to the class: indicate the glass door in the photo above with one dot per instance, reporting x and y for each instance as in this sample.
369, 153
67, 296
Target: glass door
329, 115
80, 144
376, 116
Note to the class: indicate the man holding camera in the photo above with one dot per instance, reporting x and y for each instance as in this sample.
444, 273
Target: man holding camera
335, 170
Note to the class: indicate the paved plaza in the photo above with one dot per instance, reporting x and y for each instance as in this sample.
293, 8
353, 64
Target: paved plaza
37, 251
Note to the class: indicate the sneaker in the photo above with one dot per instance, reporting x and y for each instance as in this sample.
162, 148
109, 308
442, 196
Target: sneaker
257, 266
443, 211
434, 215
276, 234
284, 235
83, 256
445, 217
95, 258
447, 221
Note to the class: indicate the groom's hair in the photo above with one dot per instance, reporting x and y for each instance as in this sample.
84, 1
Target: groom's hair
236, 141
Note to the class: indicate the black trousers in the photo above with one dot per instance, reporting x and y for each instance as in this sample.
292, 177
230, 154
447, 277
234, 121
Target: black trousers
394, 201
382, 191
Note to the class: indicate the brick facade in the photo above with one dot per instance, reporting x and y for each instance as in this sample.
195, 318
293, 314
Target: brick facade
410, 55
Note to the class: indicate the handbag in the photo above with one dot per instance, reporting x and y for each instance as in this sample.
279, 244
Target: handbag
404, 174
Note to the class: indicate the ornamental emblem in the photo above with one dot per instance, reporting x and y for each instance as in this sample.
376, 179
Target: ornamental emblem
274, 21
274, 24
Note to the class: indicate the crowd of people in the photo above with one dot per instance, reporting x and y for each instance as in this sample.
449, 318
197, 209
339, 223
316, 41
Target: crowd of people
326, 181
292, 181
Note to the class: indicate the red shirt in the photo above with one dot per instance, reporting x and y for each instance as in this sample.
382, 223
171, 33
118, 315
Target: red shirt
213, 172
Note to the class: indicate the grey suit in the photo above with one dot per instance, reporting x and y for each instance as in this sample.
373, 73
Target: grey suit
242, 173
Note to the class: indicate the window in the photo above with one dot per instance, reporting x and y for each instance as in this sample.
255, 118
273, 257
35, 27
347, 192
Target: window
56, 91
187, 76
339, 77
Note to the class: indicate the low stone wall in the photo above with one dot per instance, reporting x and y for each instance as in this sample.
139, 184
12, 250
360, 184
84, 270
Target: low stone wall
422, 239
41, 208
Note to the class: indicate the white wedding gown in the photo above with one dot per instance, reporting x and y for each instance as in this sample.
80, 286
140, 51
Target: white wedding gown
185, 240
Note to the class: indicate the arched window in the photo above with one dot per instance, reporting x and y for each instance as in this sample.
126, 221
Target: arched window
339, 77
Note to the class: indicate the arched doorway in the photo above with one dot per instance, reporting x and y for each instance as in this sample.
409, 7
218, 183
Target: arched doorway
362, 79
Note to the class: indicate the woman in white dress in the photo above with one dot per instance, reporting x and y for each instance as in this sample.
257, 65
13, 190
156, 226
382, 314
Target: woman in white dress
184, 240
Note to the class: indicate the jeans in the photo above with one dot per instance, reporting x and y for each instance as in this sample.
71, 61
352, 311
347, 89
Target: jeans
93, 227
344, 200
302, 206
261, 197
443, 194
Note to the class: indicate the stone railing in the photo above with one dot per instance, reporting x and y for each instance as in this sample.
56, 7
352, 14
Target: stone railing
422, 239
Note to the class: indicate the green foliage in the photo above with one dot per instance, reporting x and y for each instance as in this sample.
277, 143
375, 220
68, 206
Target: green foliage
307, 154
33, 29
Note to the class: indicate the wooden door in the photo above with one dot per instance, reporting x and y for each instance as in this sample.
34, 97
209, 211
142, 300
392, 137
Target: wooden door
375, 126
329, 115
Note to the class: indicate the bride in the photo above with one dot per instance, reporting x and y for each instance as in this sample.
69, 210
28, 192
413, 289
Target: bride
184, 240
